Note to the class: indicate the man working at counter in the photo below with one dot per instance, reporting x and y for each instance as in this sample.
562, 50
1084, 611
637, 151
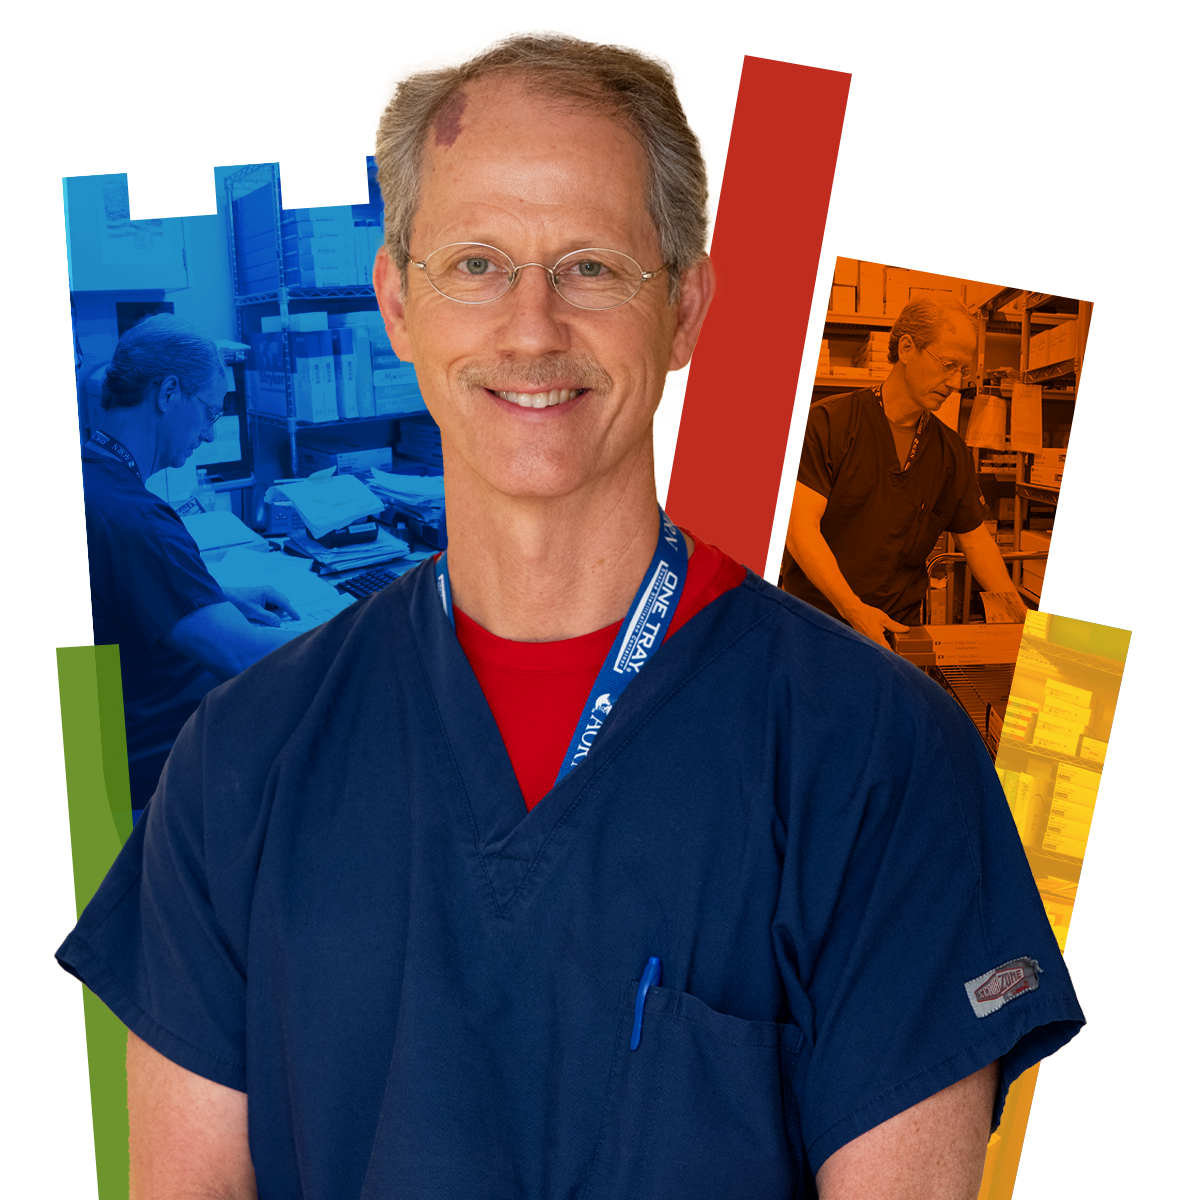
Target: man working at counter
880, 478
430, 903
179, 633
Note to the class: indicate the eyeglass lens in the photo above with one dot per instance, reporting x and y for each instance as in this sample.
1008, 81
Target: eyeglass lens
474, 274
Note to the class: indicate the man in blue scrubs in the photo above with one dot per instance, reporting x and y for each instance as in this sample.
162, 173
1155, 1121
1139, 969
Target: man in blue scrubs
179, 633
770, 933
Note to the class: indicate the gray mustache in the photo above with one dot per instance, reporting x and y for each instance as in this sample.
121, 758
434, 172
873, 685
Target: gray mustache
532, 373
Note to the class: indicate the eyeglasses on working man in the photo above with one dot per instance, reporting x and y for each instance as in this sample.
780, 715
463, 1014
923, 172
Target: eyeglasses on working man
951, 368
213, 415
593, 278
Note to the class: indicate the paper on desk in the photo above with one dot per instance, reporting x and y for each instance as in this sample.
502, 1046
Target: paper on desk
313, 598
293, 577
417, 487
326, 501
1003, 607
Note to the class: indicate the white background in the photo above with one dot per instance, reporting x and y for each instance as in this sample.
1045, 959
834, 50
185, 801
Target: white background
1034, 146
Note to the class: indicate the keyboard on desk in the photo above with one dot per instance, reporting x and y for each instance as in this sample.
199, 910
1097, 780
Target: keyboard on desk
369, 581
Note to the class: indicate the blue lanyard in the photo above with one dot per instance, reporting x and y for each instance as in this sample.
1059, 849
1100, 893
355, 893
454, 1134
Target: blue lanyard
118, 449
641, 633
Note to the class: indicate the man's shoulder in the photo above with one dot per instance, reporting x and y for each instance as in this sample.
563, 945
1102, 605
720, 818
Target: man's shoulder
845, 402
795, 641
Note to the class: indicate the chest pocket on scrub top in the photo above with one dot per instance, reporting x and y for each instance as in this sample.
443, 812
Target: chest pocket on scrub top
702, 1108
926, 527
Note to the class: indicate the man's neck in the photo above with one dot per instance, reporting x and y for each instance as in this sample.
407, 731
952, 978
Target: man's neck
540, 569
900, 407
127, 426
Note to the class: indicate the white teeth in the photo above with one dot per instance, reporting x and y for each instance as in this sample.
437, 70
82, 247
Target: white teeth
539, 399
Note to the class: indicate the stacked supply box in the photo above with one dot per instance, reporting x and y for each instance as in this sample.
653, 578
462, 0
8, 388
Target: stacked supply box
351, 456
327, 248
1047, 468
874, 354
1032, 571
256, 238
385, 385
1065, 716
1074, 792
824, 367
960, 645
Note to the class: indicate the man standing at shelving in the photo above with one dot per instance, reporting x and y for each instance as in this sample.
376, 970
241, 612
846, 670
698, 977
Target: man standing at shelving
881, 478
430, 903
179, 633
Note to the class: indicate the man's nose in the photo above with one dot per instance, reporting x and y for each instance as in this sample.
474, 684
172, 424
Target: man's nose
534, 313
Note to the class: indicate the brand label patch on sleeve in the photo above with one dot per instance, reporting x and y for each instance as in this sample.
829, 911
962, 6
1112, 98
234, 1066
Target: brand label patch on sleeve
992, 990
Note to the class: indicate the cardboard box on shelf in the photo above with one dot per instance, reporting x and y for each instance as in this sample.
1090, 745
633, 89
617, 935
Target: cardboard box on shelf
349, 455
1092, 749
1068, 810
896, 290
1061, 827
1080, 777
1070, 847
1063, 342
847, 272
870, 290
1059, 727
843, 299
1068, 712
1056, 689
1039, 349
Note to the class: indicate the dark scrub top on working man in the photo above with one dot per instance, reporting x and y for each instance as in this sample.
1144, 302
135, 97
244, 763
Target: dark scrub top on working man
882, 520
429, 991
146, 574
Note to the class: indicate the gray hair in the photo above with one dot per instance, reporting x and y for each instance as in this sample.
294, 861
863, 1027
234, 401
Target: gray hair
925, 320
637, 89
160, 345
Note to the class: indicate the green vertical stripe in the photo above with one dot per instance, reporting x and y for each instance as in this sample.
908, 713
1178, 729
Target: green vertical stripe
96, 756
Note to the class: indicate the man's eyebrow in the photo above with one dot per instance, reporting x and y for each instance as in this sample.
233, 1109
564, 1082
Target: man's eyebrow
448, 120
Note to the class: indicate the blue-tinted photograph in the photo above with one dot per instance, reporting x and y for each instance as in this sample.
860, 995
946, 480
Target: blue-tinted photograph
255, 455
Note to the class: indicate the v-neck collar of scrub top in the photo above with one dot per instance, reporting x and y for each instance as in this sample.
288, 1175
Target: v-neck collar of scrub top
513, 848
921, 433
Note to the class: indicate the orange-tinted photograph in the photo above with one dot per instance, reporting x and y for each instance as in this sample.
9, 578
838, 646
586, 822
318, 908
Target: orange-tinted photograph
923, 517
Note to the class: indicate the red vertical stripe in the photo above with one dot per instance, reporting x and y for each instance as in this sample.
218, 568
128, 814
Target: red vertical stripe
769, 229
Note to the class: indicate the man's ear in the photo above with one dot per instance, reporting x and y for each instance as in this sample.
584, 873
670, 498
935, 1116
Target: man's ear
698, 286
166, 392
388, 292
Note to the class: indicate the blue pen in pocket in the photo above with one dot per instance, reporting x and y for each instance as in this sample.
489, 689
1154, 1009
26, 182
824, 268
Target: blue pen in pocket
652, 973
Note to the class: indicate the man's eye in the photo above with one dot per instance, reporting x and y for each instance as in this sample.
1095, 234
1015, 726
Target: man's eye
587, 268
475, 266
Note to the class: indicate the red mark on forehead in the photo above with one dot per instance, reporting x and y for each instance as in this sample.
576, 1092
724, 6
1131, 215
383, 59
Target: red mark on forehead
448, 120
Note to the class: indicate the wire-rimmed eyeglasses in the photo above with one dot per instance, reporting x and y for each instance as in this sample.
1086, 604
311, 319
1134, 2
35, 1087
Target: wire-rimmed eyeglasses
213, 415
592, 278
951, 368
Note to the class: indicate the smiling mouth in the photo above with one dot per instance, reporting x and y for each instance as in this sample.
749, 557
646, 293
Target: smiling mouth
541, 399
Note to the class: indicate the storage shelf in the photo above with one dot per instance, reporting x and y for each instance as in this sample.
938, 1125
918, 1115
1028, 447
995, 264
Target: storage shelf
349, 292
1043, 655
857, 321
282, 422
1043, 494
1049, 863
1059, 370
851, 382
1069, 760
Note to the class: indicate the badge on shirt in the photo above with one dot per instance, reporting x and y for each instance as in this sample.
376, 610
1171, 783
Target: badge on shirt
992, 990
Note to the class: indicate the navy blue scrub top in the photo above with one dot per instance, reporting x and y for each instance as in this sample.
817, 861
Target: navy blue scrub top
337, 902
146, 574
881, 521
